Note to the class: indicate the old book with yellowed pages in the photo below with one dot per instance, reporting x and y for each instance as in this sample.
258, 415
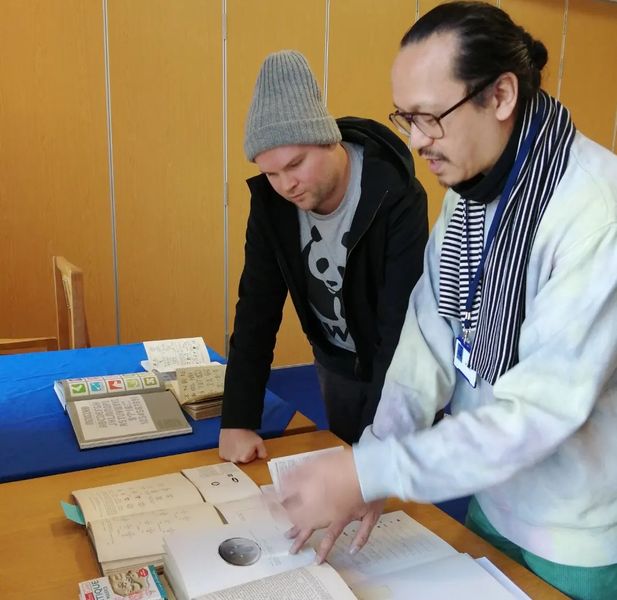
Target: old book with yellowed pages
127, 521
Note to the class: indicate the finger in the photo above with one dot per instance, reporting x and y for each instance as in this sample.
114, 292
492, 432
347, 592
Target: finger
364, 531
290, 534
330, 537
300, 539
261, 450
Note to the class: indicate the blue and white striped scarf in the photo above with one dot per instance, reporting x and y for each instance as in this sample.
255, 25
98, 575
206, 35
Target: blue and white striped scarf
499, 303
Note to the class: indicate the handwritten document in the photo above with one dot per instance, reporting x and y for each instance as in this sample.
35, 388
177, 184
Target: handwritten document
169, 355
142, 535
133, 497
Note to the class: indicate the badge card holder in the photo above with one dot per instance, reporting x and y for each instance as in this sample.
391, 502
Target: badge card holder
462, 352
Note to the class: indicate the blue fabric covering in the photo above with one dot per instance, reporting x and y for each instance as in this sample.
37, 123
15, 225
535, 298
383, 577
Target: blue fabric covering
299, 386
36, 436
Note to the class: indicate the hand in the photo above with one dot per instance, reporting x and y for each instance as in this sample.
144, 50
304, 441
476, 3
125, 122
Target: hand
241, 445
372, 511
325, 493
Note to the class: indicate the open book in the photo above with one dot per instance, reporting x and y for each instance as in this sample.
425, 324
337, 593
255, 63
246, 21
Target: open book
401, 556
114, 409
237, 560
127, 521
252, 560
199, 390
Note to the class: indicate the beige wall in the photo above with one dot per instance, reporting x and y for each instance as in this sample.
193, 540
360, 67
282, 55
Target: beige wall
117, 136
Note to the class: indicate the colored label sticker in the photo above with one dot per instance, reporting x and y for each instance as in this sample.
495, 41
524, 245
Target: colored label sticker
96, 387
150, 381
78, 389
132, 383
113, 385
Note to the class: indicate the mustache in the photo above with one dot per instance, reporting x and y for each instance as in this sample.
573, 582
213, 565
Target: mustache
431, 156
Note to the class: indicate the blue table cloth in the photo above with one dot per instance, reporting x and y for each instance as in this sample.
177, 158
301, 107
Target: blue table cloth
36, 436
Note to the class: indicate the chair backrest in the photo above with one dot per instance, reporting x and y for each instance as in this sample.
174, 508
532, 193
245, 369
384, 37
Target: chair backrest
70, 308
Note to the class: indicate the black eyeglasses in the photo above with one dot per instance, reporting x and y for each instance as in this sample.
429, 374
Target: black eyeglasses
429, 124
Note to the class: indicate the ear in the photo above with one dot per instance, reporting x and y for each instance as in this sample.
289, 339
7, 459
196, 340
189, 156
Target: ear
505, 96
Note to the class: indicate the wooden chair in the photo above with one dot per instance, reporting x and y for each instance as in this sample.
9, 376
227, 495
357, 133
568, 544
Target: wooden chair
71, 325
21, 345
72, 328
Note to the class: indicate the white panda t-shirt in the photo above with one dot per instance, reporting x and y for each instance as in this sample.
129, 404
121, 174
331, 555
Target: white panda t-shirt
323, 241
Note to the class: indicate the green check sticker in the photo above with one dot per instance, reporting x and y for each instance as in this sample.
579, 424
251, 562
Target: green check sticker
78, 389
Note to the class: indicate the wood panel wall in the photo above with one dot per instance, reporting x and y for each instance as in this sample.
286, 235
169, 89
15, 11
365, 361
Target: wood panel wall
137, 195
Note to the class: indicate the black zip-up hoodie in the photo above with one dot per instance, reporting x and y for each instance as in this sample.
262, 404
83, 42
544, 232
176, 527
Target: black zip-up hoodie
384, 260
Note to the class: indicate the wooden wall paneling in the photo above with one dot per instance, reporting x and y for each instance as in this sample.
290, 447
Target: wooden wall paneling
166, 90
363, 41
544, 20
589, 86
54, 193
255, 29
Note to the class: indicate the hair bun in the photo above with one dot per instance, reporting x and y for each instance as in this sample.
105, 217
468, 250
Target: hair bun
538, 53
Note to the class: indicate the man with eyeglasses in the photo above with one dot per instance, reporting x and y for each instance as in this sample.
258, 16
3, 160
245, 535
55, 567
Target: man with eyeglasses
514, 321
339, 221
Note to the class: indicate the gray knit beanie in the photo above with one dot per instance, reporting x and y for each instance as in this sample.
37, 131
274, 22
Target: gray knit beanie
287, 108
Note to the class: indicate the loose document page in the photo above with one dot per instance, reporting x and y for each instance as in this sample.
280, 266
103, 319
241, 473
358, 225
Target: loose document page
307, 583
457, 576
169, 355
278, 467
256, 509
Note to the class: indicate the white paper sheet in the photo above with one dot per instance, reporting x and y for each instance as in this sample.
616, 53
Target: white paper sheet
488, 566
256, 509
222, 482
278, 467
457, 576
168, 355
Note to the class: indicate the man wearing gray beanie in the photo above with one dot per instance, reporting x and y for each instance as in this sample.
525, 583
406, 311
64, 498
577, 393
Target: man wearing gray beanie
339, 221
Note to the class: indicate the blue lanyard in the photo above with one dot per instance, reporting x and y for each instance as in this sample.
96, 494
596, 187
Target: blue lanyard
492, 232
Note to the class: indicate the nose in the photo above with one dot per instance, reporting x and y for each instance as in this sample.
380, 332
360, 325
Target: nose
289, 182
417, 139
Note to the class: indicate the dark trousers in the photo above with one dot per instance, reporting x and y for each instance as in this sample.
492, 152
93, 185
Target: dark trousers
346, 400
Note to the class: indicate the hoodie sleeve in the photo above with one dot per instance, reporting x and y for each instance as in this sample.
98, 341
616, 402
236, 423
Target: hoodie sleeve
407, 235
262, 294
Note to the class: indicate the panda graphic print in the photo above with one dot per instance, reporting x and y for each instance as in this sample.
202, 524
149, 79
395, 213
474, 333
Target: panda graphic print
324, 241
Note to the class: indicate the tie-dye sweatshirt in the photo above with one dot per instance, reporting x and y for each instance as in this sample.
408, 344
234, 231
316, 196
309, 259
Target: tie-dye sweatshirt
539, 448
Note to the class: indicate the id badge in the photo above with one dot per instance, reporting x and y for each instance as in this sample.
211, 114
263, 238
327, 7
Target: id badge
462, 352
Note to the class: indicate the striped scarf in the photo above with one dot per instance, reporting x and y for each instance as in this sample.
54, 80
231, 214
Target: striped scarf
499, 303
